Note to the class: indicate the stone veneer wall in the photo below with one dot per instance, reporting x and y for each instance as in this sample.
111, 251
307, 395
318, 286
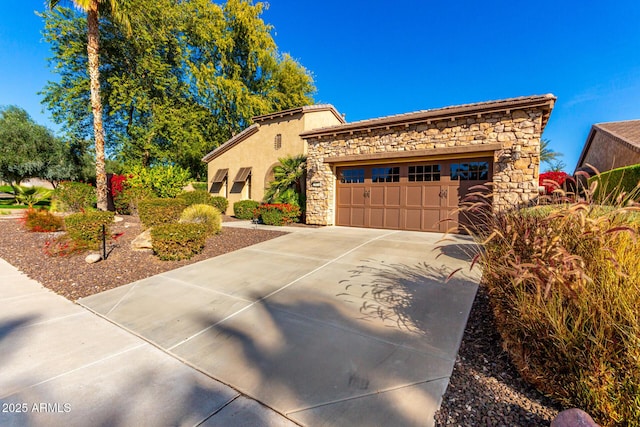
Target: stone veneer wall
516, 166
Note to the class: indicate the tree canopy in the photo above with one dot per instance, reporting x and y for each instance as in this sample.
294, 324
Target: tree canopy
29, 150
191, 75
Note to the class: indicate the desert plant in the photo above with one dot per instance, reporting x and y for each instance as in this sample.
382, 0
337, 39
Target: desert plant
286, 186
30, 195
85, 228
60, 246
178, 241
74, 196
278, 214
41, 220
203, 214
245, 209
205, 198
564, 284
159, 211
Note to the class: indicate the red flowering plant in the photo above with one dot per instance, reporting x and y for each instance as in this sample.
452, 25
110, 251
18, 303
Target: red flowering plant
552, 180
41, 221
278, 213
117, 184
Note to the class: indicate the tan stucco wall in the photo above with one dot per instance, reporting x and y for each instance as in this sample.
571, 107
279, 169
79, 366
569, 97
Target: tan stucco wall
605, 153
258, 152
515, 180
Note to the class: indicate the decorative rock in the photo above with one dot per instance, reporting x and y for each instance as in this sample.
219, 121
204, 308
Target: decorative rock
573, 417
142, 241
93, 258
118, 219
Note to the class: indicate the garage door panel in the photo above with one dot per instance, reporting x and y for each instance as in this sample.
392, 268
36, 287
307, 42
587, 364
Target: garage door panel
392, 196
356, 217
431, 198
377, 196
431, 220
392, 218
376, 217
414, 196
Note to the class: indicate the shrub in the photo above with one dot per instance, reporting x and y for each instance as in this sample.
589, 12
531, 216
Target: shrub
159, 211
617, 186
203, 214
205, 198
127, 201
164, 181
31, 195
60, 246
279, 214
552, 180
199, 186
178, 241
85, 229
41, 220
74, 196
117, 184
564, 284
245, 209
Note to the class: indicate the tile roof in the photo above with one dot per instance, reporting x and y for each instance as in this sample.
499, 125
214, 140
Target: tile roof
547, 101
628, 131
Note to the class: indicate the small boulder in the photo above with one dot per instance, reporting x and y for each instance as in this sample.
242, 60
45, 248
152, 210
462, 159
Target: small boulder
142, 241
93, 258
118, 219
573, 417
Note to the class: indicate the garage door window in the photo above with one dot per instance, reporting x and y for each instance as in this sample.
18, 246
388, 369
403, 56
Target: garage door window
352, 176
385, 174
422, 173
472, 171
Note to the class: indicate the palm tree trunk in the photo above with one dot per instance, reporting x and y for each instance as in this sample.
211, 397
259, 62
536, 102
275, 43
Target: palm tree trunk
93, 46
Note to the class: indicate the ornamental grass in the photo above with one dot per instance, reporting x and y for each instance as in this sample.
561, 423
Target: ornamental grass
564, 285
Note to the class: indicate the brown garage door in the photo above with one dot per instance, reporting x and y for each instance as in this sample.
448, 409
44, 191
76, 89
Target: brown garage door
417, 196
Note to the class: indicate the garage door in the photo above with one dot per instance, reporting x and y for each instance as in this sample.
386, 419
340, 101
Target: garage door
419, 196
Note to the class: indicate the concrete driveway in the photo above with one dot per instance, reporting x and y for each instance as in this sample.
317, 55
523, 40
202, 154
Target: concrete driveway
330, 327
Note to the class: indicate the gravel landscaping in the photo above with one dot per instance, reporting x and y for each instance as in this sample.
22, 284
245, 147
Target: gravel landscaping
484, 390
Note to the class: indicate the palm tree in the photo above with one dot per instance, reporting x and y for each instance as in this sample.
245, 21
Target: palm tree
286, 186
92, 7
547, 155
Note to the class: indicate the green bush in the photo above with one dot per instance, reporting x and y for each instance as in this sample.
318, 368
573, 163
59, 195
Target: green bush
159, 211
127, 201
203, 214
221, 203
205, 198
164, 181
31, 195
74, 197
85, 228
178, 241
564, 285
41, 220
199, 186
617, 185
245, 209
279, 214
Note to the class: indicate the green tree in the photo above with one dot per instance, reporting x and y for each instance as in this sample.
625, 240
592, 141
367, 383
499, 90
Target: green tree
192, 74
93, 8
286, 186
29, 150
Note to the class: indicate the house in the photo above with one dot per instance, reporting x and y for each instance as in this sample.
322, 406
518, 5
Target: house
611, 145
408, 171
242, 167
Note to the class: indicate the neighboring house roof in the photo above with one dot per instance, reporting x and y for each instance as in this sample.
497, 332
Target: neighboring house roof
298, 110
238, 138
626, 133
544, 101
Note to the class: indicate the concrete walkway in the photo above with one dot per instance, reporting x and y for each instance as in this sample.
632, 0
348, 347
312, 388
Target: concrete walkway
61, 365
330, 327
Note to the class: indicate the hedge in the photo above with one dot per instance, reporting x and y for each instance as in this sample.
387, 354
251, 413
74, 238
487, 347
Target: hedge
203, 197
278, 213
158, 211
245, 209
613, 183
85, 229
172, 242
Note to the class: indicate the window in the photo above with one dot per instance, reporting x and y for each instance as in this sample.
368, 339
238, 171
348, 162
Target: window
352, 176
472, 171
385, 174
420, 173
277, 142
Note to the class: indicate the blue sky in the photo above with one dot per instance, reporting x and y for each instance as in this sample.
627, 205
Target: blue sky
372, 59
